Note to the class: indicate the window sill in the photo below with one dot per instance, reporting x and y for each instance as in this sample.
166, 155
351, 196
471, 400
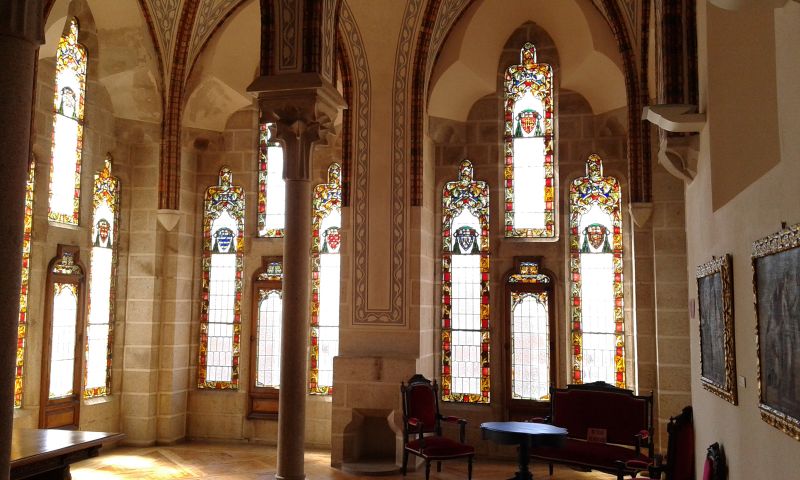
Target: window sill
98, 400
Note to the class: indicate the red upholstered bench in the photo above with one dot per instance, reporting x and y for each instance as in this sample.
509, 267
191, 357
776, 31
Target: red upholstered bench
607, 427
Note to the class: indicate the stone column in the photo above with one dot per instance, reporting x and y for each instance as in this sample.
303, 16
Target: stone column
20, 37
303, 108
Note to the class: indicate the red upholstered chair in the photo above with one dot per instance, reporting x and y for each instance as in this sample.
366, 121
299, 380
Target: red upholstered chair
421, 419
715, 467
679, 464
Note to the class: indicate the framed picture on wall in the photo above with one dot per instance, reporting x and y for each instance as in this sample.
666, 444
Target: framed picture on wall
776, 281
717, 351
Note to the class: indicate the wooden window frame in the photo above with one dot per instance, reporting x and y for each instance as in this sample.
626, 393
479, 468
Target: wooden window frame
54, 413
262, 402
519, 409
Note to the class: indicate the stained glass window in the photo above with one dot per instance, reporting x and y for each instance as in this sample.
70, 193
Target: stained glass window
530, 162
595, 245
220, 314
102, 275
465, 288
530, 299
325, 272
271, 186
64, 317
23, 288
70, 89
268, 293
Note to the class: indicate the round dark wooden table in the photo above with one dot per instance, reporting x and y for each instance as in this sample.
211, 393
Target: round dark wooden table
526, 435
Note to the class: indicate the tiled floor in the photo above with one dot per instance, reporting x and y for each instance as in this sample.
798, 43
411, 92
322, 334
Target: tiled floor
246, 461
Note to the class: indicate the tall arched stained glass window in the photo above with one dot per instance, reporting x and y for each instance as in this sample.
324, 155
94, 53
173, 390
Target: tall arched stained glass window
465, 288
325, 281
530, 162
595, 247
530, 301
65, 166
220, 311
271, 186
102, 276
23, 284
265, 345
63, 346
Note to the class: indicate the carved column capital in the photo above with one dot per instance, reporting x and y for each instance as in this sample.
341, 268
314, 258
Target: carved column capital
23, 19
303, 108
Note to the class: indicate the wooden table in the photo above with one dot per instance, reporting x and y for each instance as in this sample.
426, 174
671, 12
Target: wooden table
526, 435
47, 454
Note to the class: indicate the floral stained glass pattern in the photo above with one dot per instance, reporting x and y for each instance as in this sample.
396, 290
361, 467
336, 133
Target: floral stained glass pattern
220, 314
325, 281
530, 167
530, 332
65, 165
596, 297
271, 186
102, 282
465, 288
24, 279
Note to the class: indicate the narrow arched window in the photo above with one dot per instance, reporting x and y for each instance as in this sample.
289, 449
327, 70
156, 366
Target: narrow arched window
65, 165
595, 247
465, 288
530, 169
102, 276
531, 336
27, 230
271, 186
265, 349
63, 340
220, 311
325, 281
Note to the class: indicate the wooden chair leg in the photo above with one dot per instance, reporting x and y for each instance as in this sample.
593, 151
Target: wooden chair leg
469, 467
405, 461
550, 467
438, 466
427, 470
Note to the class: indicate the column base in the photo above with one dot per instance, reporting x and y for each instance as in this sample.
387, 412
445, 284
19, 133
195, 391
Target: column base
291, 477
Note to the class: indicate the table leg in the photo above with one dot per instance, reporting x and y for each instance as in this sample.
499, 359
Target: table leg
524, 458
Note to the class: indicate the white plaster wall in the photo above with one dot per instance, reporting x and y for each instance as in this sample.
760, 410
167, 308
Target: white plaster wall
754, 449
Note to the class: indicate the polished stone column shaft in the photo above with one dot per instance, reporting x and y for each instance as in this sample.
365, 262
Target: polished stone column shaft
294, 334
20, 36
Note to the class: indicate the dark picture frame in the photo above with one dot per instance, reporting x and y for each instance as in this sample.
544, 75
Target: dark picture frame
776, 284
717, 347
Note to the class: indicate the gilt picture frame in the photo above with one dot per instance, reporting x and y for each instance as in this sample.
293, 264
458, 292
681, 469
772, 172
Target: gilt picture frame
776, 284
717, 347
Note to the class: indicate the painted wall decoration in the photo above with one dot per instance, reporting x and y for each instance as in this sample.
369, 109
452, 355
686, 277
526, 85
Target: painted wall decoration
776, 282
717, 348
465, 288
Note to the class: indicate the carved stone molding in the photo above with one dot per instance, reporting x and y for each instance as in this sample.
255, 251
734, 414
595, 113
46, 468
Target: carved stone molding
640, 213
675, 117
746, 4
303, 108
678, 155
168, 218
22, 19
